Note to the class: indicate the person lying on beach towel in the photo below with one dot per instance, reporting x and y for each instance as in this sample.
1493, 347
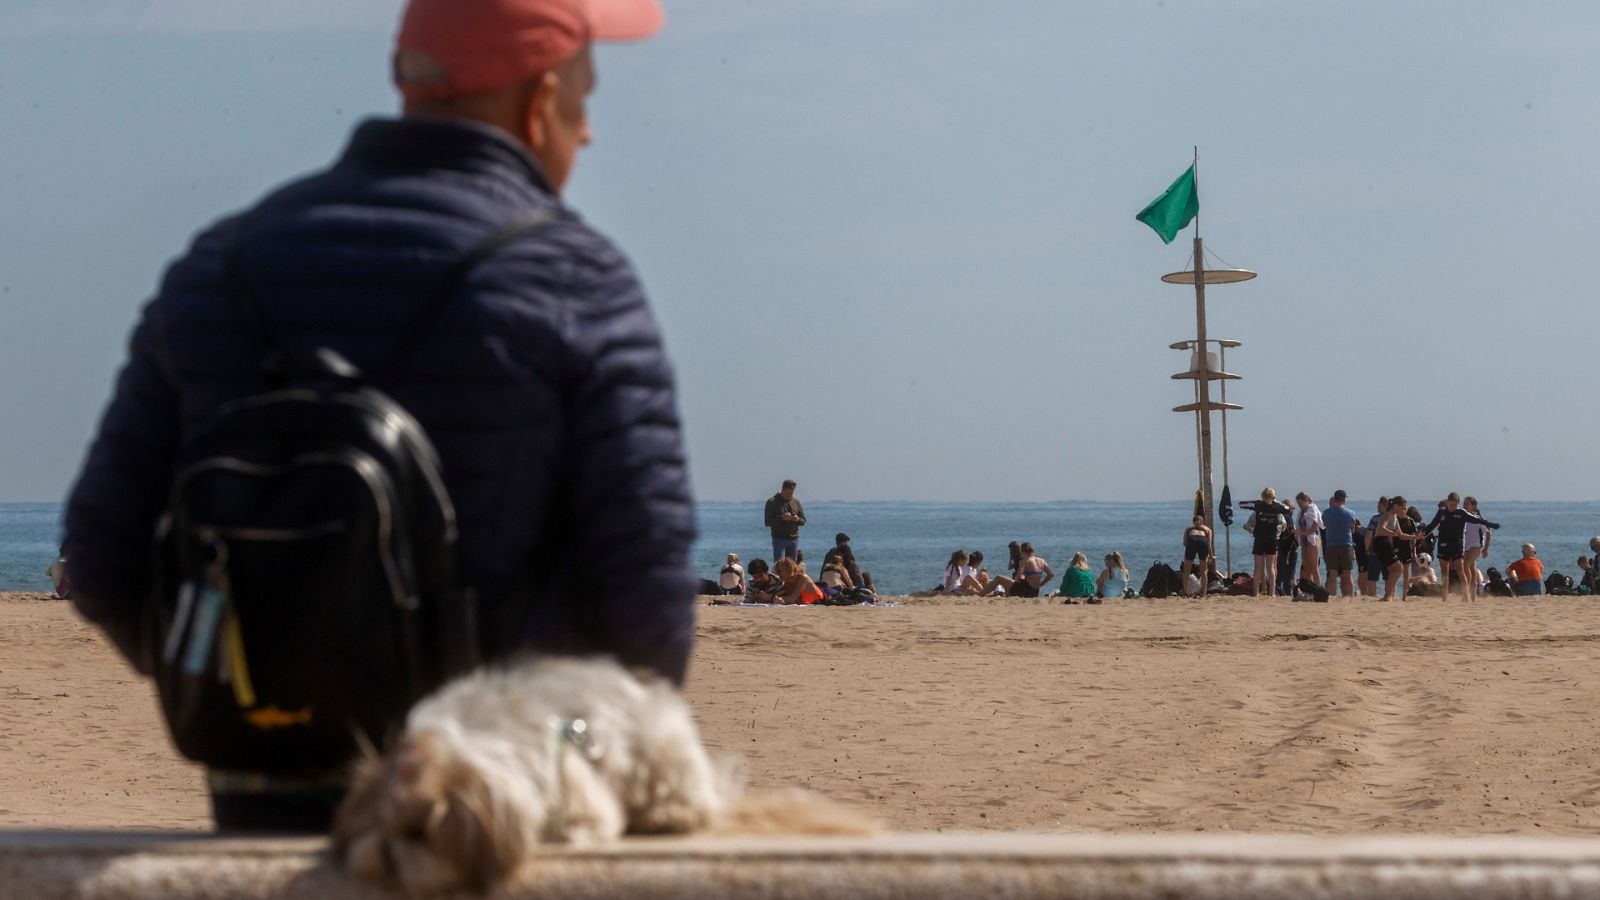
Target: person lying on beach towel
762, 586
798, 588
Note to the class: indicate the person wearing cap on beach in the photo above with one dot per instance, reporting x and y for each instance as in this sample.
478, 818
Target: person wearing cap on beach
1527, 573
544, 384
1339, 556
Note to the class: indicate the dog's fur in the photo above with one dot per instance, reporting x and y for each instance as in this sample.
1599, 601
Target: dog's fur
485, 772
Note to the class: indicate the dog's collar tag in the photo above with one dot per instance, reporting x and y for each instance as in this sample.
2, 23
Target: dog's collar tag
574, 733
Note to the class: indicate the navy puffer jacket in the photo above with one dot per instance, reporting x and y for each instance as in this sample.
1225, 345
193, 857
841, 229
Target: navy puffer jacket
544, 387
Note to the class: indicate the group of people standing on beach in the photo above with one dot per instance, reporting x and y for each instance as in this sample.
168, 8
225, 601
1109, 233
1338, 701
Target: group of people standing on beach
1393, 547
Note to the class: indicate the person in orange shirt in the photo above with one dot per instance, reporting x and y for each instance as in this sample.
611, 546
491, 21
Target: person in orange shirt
797, 585
1527, 573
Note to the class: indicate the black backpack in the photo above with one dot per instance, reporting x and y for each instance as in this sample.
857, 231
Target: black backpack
1158, 581
1559, 585
306, 592
1312, 591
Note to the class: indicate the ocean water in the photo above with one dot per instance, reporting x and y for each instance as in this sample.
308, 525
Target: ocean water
906, 545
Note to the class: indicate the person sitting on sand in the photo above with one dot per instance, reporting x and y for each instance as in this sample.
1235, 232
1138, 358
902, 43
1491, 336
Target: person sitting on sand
847, 558
979, 573
1527, 573
798, 588
1113, 580
959, 577
1586, 581
1496, 586
731, 579
1078, 582
1032, 573
762, 586
57, 571
834, 577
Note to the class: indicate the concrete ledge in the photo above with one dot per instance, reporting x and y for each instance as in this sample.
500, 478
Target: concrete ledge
103, 866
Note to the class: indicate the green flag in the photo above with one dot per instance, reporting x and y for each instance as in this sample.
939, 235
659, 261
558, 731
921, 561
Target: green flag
1172, 212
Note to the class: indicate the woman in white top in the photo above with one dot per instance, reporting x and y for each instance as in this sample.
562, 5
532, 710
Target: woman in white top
732, 578
1308, 529
1474, 543
959, 577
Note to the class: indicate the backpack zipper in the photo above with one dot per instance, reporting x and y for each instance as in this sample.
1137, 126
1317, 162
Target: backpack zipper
421, 449
362, 464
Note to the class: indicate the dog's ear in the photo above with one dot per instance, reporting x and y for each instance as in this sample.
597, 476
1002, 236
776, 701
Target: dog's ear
646, 676
358, 812
475, 833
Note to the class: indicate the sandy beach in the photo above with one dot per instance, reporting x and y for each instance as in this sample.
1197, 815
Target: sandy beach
1142, 716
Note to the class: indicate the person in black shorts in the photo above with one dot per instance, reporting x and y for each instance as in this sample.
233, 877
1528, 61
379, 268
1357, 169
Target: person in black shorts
1452, 520
1196, 549
1405, 551
1387, 540
1268, 522
1372, 571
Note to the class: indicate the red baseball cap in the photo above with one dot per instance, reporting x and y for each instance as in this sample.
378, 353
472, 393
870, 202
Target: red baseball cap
451, 47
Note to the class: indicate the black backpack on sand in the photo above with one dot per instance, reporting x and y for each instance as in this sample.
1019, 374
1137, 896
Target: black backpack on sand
1158, 581
306, 592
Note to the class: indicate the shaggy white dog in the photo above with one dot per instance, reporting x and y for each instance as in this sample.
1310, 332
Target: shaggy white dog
553, 750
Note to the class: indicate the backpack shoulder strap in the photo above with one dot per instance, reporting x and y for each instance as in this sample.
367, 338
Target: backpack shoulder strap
422, 318
240, 293
248, 309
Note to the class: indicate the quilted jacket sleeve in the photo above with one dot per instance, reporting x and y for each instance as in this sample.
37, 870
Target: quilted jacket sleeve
112, 511
630, 495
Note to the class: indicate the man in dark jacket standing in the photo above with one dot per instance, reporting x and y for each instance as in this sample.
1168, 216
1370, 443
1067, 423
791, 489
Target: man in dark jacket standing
783, 516
544, 385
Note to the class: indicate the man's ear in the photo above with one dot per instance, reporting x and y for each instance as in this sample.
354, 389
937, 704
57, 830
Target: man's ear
539, 108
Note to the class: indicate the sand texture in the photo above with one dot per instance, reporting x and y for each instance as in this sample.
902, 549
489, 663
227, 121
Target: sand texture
1141, 716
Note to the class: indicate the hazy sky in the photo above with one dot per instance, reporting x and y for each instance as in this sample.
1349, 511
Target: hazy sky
892, 244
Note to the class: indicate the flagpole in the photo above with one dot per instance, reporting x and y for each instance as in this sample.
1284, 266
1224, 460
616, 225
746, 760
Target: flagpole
1202, 367
1222, 359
